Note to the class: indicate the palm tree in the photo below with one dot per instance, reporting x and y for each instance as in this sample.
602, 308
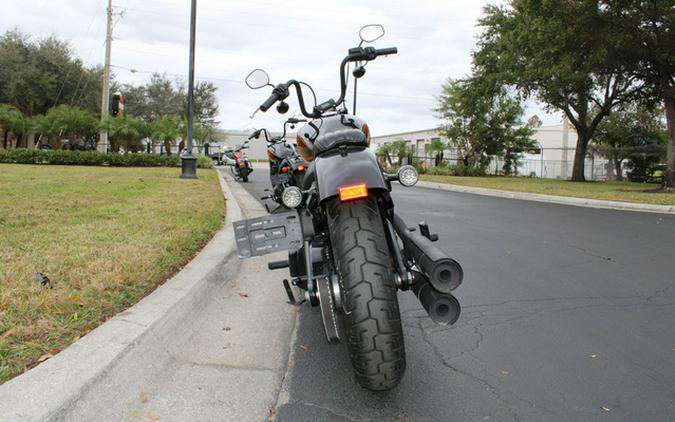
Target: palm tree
64, 122
125, 131
11, 120
383, 152
167, 129
400, 149
436, 147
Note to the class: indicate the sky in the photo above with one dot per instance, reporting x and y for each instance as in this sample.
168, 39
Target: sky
298, 39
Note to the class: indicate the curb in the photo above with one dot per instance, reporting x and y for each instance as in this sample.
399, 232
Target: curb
47, 391
564, 200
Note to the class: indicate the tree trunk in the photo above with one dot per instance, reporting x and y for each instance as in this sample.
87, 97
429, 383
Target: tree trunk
6, 137
580, 155
669, 175
167, 147
618, 169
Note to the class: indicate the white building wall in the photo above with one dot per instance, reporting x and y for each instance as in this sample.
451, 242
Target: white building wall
556, 143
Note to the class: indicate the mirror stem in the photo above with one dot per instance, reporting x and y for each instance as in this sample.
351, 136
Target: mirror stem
356, 81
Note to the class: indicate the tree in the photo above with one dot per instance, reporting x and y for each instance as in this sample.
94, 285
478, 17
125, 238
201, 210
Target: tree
64, 122
647, 35
11, 119
38, 75
167, 129
383, 152
400, 149
567, 54
633, 132
125, 131
205, 104
161, 97
482, 121
436, 147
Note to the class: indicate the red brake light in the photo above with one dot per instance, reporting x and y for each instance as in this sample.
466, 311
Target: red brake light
351, 192
284, 169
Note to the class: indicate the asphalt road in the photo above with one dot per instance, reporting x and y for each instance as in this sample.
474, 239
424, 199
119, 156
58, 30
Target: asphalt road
568, 314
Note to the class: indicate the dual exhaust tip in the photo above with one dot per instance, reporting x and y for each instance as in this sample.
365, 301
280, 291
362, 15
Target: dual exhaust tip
442, 307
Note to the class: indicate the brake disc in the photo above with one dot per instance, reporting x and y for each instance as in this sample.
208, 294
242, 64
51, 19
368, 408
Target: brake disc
328, 311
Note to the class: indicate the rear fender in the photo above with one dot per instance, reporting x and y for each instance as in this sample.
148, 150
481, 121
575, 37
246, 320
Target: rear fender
335, 169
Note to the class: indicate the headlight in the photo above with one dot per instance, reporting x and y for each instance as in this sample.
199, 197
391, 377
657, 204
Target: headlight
291, 197
407, 176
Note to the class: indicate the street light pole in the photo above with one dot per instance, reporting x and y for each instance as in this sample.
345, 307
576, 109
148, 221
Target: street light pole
189, 161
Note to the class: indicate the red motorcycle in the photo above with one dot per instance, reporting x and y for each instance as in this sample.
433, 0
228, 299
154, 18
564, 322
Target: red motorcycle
240, 167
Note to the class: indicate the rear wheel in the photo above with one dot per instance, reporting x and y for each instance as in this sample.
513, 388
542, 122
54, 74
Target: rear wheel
244, 176
372, 318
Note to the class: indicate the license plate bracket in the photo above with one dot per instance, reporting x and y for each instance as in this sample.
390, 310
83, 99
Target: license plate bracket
268, 234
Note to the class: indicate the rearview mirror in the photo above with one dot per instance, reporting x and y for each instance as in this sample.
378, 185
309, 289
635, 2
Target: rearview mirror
370, 33
257, 79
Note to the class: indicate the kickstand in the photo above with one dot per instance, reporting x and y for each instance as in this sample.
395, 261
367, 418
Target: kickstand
289, 292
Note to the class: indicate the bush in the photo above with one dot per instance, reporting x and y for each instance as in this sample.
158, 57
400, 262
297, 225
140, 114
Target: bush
461, 169
93, 158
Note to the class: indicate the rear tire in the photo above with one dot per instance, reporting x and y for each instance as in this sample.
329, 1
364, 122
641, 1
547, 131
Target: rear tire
244, 176
372, 318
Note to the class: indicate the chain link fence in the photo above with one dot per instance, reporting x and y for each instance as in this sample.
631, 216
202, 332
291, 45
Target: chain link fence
643, 163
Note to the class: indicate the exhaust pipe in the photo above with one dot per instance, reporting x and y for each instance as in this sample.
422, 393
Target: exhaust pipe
443, 308
444, 273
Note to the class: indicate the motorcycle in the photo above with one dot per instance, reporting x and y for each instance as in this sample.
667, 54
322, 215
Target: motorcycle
238, 162
287, 167
347, 247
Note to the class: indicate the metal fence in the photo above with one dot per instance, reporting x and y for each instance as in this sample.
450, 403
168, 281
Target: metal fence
548, 163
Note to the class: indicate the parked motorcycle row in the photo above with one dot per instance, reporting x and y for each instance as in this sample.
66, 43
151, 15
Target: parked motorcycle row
235, 158
348, 250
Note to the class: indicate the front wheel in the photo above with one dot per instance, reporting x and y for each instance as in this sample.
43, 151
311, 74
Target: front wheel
372, 318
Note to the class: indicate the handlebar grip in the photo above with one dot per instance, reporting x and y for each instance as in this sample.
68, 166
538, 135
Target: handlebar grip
269, 102
386, 51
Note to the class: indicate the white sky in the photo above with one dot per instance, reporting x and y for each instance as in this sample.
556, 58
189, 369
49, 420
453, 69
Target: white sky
299, 39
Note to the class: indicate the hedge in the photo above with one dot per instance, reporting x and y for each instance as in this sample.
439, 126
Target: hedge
93, 158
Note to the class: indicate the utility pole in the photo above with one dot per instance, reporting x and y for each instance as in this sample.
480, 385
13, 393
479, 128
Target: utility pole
105, 89
189, 161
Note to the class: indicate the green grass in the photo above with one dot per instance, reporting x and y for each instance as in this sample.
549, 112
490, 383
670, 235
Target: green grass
613, 191
104, 236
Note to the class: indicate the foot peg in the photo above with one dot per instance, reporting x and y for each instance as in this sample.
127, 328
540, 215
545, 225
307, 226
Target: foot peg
424, 231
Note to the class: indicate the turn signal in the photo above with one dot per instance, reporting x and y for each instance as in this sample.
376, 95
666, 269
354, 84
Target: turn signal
301, 168
351, 192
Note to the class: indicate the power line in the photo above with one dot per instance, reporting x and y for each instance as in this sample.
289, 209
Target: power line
242, 83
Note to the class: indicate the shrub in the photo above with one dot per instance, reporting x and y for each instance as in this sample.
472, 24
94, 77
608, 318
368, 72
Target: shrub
93, 158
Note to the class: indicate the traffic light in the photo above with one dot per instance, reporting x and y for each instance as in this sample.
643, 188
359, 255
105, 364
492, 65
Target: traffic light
117, 104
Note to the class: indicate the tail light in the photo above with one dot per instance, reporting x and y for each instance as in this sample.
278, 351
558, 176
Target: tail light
301, 168
351, 192
284, 169
242, 164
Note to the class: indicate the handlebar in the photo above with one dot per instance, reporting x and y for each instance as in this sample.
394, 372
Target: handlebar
357, 54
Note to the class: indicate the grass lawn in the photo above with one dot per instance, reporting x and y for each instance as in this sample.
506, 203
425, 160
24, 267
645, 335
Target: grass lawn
613, 191
104, 236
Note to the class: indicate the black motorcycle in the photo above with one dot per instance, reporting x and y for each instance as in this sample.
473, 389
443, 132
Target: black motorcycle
239, 164
287, 167
347, 248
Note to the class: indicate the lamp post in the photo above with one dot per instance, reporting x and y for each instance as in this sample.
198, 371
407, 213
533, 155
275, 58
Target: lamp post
189, 161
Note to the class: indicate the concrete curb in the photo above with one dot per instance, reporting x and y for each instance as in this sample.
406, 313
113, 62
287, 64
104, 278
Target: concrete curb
45, 392
564, 200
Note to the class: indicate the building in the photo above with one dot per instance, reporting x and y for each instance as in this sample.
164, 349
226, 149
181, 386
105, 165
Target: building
553, 159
